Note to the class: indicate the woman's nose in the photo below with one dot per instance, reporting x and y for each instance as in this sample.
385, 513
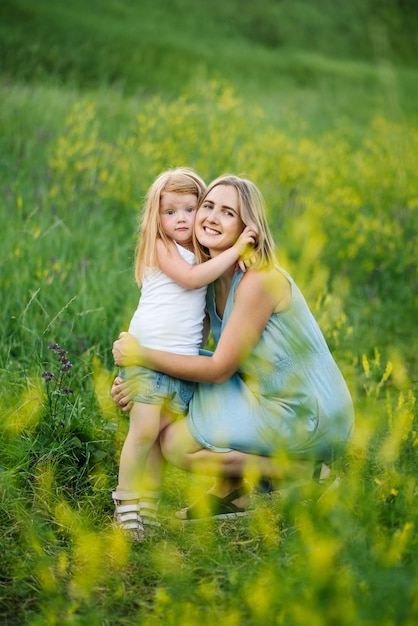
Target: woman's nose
212, 216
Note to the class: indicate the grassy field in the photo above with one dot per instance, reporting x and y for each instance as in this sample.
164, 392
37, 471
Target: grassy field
317, 103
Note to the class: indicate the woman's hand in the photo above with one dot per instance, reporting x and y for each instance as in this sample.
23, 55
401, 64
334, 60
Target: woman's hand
122, 394
126, 351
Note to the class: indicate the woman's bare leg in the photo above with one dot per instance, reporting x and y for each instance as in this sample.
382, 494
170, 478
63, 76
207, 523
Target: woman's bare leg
180, 449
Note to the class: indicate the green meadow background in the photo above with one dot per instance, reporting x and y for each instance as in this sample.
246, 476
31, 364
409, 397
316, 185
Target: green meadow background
317, 102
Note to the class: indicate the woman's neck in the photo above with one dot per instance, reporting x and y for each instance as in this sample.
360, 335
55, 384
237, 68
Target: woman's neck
222, 286
226, 278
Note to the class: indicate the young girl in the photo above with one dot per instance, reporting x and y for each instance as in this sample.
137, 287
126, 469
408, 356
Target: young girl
170, 316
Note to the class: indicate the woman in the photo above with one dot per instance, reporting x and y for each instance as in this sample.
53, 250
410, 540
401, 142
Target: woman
271, 390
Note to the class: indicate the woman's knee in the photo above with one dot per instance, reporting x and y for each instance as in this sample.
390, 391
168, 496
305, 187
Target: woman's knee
177, 444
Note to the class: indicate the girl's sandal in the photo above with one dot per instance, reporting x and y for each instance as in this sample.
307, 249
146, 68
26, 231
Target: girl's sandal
210, 506
148, 503
128, 519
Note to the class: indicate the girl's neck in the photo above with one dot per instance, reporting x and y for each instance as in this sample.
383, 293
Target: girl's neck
187, 246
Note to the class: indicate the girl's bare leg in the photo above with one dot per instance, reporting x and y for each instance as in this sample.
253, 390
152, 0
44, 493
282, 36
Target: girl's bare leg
156, 464
144, 420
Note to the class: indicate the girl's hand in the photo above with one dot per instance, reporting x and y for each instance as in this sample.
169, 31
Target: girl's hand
122, 394
126, 350
246, 240
244, 243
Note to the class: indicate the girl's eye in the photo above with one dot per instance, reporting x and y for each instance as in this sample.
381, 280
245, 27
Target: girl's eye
190, 209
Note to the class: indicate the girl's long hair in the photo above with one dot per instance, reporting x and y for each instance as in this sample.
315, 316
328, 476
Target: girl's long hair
178, 180
252, 209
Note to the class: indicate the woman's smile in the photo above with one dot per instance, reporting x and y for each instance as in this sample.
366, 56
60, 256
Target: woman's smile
218, 220
210, 231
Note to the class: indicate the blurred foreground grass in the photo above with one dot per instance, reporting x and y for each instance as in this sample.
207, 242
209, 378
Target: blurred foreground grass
334, 149
343, 212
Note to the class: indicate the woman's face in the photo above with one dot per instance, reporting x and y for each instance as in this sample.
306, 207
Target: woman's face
218, 223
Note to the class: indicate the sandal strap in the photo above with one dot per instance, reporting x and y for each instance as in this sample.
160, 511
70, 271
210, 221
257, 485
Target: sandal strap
128, 525
149, 513
119, 494
127, 517
124, 509
216, 507
234, 495
148, 503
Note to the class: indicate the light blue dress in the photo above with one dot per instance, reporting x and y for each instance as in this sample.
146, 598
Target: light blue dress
288, 396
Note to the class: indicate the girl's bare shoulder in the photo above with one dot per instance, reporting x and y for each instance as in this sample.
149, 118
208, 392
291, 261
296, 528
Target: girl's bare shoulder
166, 248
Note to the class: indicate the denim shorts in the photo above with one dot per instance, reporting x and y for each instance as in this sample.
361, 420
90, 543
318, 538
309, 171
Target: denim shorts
157, 388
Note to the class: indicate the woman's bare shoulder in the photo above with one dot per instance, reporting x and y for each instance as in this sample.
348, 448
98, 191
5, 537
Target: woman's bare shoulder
268, 283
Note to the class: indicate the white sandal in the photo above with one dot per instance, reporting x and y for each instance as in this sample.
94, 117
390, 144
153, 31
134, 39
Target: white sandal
149, 506
127, 515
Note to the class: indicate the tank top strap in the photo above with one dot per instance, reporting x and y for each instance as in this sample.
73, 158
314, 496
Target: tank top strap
282, 271
231, 296
234, 284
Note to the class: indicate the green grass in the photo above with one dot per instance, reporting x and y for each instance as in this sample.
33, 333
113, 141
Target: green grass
317, 103
265, 50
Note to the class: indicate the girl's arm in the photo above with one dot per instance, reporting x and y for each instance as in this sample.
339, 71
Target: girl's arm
258, 295
195, 276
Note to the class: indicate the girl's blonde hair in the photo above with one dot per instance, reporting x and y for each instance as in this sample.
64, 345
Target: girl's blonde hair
181, 180
252, 208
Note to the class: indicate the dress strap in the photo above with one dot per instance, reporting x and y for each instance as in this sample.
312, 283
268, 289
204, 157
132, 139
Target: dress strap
231, 296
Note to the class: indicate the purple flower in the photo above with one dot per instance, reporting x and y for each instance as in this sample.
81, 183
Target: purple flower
65, 367
55, 347
65, 389
48, 376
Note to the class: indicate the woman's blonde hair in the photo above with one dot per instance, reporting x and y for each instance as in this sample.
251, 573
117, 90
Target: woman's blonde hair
252, 208
181, 180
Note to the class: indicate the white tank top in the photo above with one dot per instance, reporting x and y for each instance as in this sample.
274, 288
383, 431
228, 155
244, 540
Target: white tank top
169, 317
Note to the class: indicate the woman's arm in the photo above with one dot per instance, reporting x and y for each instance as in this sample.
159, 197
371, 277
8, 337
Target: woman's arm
195, 276
258, 295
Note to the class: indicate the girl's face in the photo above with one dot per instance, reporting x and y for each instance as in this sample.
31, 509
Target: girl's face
177, 215
218, 222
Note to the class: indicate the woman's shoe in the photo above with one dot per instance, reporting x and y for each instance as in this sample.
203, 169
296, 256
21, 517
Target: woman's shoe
210, 506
